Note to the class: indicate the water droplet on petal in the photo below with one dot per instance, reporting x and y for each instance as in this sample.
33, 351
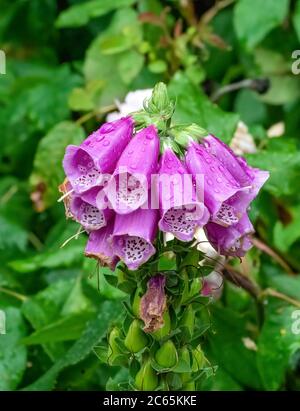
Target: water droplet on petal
210, 182
219, 180
100, 138
107, 128
149, 136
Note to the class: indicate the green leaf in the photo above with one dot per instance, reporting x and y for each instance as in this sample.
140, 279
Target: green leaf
87, 98
46, 306
12, 234
95, 330
228, 348
296, 19
254, 19
77, 302
220, 381
47, 169
286, 235
67, 328
79, 99
193, 106
99, 280
284, 168
115, 383
15, 214
285, 284
158, 66
115, 44
271, 62
276, 344
100, 65
130, 64
251, 109
284, 89
12, 354
62, 257
80, 14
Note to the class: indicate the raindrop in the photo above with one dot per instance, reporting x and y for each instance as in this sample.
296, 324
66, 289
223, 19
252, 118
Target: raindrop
100, 138
106, 143
107, 128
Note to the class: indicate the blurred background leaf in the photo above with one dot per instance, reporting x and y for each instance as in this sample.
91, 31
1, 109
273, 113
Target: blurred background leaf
69, 64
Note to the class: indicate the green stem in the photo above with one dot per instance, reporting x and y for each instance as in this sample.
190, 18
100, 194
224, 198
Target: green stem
14, 294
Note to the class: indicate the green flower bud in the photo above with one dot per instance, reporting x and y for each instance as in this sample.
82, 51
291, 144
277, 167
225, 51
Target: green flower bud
166, 356
189, 386
160, 103
146, 379
198, 359
188, 321
165, 330
184, 355
136, 303
185, 134
135, 339
113, 350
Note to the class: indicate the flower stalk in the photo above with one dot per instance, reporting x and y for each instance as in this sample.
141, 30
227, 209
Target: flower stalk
159, 336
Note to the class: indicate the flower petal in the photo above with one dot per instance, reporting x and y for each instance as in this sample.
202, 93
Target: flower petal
219, 184
133, 236
153, 304
127, 190
234, 240
98, 246
181, 211
84, 165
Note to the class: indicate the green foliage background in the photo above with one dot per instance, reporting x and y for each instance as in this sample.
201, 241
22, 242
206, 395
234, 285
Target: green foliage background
67, 61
